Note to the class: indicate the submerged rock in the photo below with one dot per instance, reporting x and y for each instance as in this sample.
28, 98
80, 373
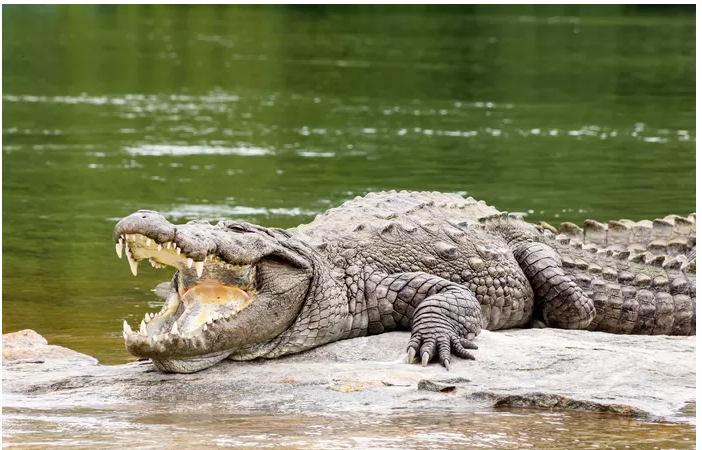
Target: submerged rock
535, 368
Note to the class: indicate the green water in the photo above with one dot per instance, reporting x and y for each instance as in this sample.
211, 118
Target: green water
274, 114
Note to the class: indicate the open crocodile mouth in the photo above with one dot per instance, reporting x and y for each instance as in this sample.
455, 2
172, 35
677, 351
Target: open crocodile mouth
206, 294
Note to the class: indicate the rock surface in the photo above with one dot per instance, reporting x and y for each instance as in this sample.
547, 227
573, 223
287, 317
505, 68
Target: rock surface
544, 368
29, 347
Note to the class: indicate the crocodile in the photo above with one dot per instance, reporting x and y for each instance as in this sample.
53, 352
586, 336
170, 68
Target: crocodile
440, 265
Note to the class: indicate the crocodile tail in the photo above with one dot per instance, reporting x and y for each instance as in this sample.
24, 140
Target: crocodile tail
672, 235
633, 293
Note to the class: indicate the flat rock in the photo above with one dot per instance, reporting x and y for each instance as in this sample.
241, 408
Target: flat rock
534, 368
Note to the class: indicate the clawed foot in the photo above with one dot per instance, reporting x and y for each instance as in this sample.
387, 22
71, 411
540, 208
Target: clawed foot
428, 347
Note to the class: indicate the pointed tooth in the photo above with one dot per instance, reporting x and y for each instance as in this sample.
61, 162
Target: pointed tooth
189, 262
148, 242
142, 328
152, 315
147, 318
204, 327
133, 263
199, 266
159, 247
178, 250
173, 301
118, 248
126, 328
174, 330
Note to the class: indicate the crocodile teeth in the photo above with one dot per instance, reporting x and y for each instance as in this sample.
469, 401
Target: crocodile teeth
173, 301
142, 328
178, 250
174, 330
148, 242
199, 266
147, 318
118, 248
126, 328
189, 262
133, 263
152, 315
204, 327
159, 247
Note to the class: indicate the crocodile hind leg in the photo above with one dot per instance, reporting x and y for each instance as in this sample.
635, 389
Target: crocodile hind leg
444, 316
561, 302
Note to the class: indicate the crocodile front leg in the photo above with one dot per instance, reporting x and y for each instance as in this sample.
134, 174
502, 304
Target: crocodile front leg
562, 303
444, 316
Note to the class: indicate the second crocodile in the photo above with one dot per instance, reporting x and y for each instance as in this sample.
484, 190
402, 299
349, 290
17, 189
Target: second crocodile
441, 265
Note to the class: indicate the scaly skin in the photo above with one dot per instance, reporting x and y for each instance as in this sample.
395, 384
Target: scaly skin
439, 265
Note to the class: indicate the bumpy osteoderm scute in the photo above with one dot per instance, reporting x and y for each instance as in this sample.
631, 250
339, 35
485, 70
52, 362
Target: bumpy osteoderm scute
441, 265
640, 275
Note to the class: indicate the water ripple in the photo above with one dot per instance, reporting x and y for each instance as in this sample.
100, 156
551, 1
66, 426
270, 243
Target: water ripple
221, 212
182, 150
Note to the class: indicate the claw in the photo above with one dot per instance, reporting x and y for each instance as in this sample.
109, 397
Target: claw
425, 359
447, 364
411, 353
468, 344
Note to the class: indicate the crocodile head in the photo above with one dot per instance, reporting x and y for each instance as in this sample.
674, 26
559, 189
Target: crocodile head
237, 286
